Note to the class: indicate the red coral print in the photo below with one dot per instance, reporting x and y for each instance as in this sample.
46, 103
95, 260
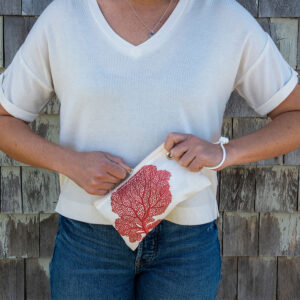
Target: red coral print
144, 195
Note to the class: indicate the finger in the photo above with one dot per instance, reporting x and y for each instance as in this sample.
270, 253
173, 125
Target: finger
118, 160
179, 150
109, 178
115, 169
186, 158
195, 165
101, 192
107, 185
174, 138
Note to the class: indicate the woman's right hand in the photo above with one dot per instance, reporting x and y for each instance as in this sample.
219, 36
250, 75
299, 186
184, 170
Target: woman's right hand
97, 172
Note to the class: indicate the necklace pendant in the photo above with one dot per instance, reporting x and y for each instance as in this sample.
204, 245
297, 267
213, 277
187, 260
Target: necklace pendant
151, 34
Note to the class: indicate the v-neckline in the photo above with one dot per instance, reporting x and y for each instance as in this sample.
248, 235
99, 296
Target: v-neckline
146, 46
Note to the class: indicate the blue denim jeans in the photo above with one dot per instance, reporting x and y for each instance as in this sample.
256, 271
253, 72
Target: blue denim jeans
176, 262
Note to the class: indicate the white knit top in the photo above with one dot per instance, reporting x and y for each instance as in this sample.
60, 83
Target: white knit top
125, 99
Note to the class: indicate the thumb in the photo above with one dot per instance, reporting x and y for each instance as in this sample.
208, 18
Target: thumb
174, 138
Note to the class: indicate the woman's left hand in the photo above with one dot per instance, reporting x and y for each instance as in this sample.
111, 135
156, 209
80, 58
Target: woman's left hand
193, 152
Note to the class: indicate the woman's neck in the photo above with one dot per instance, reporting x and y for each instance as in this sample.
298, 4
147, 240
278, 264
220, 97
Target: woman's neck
149, 3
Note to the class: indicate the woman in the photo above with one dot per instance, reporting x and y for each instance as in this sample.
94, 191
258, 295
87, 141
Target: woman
130, 75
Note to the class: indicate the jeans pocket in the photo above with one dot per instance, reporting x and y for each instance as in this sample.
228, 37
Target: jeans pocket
212, 226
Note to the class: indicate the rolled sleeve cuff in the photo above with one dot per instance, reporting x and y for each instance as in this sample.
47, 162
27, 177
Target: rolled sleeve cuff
12, 108
280, 95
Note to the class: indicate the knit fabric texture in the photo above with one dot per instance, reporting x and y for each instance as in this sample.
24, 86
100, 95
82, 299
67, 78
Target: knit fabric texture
125, 99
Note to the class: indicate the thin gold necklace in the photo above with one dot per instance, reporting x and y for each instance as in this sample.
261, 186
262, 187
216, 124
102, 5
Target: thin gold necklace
151, 31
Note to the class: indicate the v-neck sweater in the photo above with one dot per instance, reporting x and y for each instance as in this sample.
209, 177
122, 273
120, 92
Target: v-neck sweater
125, 99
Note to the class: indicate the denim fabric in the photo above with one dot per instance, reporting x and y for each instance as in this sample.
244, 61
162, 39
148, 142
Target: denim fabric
91, 261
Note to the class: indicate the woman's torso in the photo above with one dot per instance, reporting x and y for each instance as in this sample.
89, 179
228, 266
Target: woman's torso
125, 99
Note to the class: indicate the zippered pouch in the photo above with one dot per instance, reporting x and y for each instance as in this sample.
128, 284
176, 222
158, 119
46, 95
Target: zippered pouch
143, 199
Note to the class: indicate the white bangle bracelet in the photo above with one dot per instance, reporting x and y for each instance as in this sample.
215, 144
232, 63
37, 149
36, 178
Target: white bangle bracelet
222, 140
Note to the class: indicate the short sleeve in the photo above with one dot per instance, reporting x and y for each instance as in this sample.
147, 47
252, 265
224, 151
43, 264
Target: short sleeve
264, 78
26, 84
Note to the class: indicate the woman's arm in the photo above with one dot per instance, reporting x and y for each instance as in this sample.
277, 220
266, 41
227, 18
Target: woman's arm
22, 144
280, 136
97, 172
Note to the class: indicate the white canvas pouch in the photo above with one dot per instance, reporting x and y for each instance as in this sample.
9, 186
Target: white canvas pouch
143, 199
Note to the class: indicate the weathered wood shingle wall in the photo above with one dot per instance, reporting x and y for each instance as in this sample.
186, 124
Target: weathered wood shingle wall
259, 201
259, 224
